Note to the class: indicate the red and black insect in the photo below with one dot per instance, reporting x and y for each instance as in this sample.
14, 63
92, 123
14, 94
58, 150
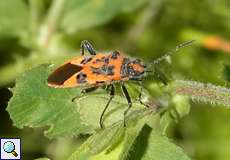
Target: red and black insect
100, 69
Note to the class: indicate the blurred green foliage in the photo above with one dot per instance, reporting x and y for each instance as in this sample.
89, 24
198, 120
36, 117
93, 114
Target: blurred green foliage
39, 31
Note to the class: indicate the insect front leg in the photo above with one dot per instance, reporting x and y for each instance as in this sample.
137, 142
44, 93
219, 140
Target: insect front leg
126, 94
86, 90
85, 45
112, 93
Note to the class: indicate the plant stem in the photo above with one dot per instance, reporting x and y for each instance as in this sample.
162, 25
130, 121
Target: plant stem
51, 25
143, 21
36, 7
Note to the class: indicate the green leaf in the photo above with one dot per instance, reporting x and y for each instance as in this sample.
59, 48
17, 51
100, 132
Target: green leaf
165, 121
12, 21
151, 145
96, 143
131, 134
34, 104
91, 112
113, 142
85, 14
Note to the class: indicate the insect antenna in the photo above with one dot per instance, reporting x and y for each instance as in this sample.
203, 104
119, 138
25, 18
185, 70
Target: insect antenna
170, 52
156, 71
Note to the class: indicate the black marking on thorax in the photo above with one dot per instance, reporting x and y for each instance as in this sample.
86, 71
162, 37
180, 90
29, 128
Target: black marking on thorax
60, 75
81, 77
124, 71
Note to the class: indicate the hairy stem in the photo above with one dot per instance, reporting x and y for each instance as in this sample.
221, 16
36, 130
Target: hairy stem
207, 93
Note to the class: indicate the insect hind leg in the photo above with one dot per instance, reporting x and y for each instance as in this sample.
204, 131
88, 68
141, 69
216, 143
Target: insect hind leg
112, 93
85, 45
126, 94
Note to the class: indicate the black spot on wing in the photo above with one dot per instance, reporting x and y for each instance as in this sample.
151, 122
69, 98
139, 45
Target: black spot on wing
60, 75
95, 70
81, 77
109, 70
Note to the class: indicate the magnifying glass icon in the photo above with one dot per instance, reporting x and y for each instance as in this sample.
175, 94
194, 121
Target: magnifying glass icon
9, 147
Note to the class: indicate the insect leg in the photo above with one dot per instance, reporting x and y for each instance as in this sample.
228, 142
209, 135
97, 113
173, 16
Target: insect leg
86, 45
90, 89
87, 90
112, 93
126, 94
